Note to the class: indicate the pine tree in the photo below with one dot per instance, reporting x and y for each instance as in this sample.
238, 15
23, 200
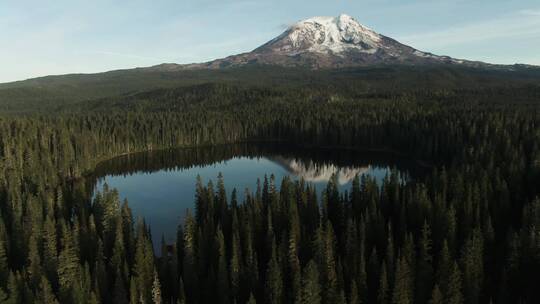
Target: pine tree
221, 199
83, 288
156, 290
222, 273
331, 290
436, 296
334, 205
68, 267
93, 299
234, 268
452, 228
402, 293
373, 274
34, 262
101, 282
311, 289
45, 294
473, 268
181, 293
352, 248
409, 253
341, 299
444, 268
144, 264
250, 275
362, 276
384, 289
424, 280
251, 299
453, 290
294, 270
274, 281
119, 251
50, 254
120, 294
4, 267
4, 298
353, 296
133, 292
14, 289
189, 260
390, 260
356, 197
127, 231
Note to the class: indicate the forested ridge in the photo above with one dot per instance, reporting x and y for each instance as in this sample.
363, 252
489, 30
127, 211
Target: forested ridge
469, 232
46, 94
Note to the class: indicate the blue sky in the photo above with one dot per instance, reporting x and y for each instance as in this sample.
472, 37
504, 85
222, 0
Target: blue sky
57, 37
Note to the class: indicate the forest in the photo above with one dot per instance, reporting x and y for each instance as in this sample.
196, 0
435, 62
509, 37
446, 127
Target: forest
467, 232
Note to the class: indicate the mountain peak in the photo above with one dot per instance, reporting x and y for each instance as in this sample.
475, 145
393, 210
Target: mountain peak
333, 42
325, 35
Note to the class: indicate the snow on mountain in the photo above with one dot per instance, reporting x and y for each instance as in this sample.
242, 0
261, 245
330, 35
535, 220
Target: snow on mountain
327, 35
331, 42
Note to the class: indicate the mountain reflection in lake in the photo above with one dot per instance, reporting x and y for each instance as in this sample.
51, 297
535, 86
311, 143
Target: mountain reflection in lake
160, 185
316, 173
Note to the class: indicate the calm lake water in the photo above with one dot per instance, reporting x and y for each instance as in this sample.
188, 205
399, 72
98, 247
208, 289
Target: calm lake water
160, 186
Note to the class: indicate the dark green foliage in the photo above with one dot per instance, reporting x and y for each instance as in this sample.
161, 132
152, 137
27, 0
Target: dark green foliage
311, 289
468, 232
274, 281
424, 280
436, 296
51, 92
403, 289
454, 293
384, 288
4, 266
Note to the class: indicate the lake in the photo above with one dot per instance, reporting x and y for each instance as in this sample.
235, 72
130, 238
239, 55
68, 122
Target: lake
160, 185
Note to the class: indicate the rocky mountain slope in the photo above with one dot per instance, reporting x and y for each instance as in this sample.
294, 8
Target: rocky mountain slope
329, 42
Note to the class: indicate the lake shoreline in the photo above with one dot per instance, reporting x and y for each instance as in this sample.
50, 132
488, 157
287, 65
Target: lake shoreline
386, 150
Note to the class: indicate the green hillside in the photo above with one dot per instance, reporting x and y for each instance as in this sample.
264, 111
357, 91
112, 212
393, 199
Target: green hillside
48, 93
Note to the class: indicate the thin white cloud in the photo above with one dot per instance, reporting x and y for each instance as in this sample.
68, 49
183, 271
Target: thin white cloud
524, 24
284, 26
531, 12
126, 55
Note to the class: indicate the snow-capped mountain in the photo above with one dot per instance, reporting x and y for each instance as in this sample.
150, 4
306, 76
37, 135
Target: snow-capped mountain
325, 35
326, 42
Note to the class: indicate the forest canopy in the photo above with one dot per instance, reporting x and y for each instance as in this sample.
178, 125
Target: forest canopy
468, 232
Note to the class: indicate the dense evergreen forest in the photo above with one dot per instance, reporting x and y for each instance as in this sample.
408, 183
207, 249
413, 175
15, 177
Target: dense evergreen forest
46, 94
467, 232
